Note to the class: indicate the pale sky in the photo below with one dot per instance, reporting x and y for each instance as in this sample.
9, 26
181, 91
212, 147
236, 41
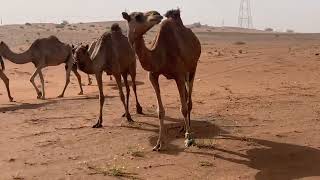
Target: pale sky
299, 15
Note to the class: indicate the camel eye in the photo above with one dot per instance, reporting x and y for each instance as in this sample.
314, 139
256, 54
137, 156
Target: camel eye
139, 18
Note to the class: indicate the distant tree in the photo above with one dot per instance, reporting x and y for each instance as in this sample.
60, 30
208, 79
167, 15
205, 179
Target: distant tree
268, 29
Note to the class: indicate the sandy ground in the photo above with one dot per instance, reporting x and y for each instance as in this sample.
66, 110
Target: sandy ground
256, 114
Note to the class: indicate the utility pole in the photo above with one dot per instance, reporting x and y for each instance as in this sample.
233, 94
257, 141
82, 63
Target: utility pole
245, 17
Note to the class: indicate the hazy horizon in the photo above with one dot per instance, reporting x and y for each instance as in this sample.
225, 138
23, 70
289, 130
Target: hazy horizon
280, 15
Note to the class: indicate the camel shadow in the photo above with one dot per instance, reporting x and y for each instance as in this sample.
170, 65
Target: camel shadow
25, 106
275, 160
201, 128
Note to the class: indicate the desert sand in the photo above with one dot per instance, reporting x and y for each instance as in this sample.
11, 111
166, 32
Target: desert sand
256, 113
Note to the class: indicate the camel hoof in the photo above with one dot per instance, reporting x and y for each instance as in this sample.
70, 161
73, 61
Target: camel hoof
11, 99
98, 125
60, 96
39, 95
189, 142
130, 120
139, 110
123, 115
80, 93
158, 147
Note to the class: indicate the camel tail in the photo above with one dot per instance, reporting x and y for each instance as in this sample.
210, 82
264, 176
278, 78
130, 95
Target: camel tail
2, 64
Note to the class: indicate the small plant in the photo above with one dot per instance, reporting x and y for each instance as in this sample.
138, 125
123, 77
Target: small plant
38, 33
64, 22
205, 164
92, 25
21, 27
137, 154
240, 43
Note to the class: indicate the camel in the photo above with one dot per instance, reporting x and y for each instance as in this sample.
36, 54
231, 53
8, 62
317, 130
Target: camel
43, 53
114, 55
90, 51
5, 79
175, 53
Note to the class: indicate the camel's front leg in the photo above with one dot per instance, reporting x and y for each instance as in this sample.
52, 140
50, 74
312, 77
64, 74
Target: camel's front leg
39, 94
6, 82
68, 71
118, 80
154, 79
184, 110
134, 87
42, 85
74, 70
125, 80
101, 99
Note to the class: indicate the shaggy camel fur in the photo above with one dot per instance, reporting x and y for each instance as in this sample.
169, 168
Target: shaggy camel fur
114, 55
175, 54
5, 79
43, 53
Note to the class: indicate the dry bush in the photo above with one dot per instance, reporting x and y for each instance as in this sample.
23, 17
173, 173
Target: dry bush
268, 29
240, 43
92, 25
28, 24
60, 26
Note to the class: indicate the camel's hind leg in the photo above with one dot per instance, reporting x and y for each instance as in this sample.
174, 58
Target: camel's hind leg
68, 71
134, 86
125, 80
39, 94
101, 99
184, 109
6, 82
74, 70
89, 80
118, 80
189, 87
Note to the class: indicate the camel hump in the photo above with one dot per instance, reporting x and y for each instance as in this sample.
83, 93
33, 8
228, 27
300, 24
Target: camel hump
115, 27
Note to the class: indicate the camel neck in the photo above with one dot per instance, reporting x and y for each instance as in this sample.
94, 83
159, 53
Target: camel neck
17, 58
87, 65
144, 54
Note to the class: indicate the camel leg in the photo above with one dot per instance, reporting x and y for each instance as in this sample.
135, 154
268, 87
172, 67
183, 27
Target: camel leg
74, 70
42, 85
125, 80
6, 82
39, 94
89, 80
101, 99
134, 86
154, 79
189, 86
68, 71
118, 80
184, 110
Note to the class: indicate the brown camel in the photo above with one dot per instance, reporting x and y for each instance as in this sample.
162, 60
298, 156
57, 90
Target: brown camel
43, 53
5, 79
90, 51
174, 54
114, 55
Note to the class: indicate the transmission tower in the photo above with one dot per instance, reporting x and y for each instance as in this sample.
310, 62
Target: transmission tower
245, 17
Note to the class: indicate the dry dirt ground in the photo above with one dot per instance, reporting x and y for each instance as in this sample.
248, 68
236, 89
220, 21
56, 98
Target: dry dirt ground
256, 114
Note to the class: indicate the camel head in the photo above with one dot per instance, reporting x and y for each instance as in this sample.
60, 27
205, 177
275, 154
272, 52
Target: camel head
3, 47
139, 23
81, 55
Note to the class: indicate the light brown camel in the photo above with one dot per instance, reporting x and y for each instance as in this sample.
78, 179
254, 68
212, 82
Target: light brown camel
174, 54
43, 53
90, 51
5, 79
114, 55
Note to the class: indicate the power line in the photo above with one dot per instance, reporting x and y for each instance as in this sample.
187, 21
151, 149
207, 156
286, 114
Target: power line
245, 17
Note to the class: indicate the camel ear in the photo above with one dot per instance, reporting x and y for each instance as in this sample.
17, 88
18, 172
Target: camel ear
126, 16
72, 46
87, 47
